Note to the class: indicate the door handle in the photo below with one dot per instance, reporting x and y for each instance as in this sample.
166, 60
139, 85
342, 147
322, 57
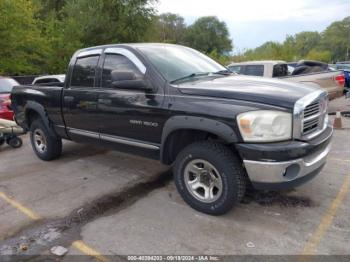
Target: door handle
68, 99
104, 101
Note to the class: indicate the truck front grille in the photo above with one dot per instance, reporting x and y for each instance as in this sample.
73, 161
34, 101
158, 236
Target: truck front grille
311, 118
312, 109
314, 117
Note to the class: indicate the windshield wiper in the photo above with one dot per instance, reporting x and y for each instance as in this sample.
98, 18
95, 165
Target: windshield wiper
225, 72
189, 77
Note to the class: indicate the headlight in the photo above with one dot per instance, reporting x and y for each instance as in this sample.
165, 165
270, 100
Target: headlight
265, 126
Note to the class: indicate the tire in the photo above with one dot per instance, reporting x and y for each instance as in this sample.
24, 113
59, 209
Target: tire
224, 165
45, 143
2, 141
15, 142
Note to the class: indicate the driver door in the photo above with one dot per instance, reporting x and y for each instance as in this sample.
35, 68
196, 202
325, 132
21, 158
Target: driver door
128, 116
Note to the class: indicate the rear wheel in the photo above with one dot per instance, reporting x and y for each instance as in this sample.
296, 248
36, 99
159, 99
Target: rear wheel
210, 177
46, 145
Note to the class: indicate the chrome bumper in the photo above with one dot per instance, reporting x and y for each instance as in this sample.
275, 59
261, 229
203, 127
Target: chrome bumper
263, 172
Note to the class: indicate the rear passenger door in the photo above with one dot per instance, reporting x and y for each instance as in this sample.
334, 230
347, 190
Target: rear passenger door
80, 98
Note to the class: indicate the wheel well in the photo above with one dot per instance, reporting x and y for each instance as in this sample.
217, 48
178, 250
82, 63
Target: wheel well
31, 115
179, 139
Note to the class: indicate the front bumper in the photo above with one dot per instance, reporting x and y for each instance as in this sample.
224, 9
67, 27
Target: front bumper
288, 165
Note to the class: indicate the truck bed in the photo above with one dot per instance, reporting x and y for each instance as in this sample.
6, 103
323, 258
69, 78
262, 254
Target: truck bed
325, 80
49, 97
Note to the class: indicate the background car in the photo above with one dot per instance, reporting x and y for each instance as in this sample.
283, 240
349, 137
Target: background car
312, 73
6, 85
346, 69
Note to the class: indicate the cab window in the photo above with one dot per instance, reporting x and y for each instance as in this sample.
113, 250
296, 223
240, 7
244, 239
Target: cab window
84, 72
280, 70
116, 62
254, 70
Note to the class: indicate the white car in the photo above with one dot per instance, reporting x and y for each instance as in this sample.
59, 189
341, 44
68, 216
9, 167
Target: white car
48, 79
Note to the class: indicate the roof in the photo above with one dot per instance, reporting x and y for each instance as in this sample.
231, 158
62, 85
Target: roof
133, 45
273, 62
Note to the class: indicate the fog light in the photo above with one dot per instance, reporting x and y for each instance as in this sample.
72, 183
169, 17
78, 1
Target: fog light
291, 172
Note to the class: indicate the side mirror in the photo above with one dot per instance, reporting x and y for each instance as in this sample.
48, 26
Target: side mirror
117, 75
128, 80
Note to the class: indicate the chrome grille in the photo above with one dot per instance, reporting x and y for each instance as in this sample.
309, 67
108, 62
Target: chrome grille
312, 109
311, 117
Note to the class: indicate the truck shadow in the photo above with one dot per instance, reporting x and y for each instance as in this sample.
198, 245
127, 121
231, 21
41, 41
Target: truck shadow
272, 198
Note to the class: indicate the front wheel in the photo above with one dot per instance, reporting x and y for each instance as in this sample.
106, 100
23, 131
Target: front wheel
46, 145
209, 177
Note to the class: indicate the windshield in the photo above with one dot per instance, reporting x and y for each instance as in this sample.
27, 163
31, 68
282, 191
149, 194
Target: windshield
6, 85
176, 62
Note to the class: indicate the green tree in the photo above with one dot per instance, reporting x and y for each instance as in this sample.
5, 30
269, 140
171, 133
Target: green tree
268, 50
305, 42
73, 24
115, 21
22, 48
170, 28
319, 55
336, 39
289, 52
48, 7
208, 34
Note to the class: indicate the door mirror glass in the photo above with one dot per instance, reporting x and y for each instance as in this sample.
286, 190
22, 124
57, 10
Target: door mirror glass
117, 75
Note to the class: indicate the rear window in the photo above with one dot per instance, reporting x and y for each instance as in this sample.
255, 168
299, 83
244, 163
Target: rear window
280, 70
6, 85
254, 70
84, 71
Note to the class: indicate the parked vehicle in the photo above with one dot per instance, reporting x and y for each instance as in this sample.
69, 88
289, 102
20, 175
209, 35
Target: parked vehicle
49, 79
306, 67
330, 81
346, 69
6, 85
220, 131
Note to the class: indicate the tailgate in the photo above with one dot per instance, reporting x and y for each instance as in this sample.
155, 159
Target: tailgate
325, 80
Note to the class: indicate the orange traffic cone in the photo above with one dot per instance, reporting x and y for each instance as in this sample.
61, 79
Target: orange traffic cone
337, 121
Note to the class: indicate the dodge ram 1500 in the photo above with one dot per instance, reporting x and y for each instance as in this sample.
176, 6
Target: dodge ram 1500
220, 131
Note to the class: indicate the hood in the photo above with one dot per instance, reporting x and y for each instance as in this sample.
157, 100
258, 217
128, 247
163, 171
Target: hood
254, 89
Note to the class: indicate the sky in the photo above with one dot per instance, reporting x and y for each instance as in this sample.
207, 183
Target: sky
253, 22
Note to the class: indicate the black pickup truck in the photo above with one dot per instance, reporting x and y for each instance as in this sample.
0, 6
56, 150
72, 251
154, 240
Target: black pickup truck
220, 131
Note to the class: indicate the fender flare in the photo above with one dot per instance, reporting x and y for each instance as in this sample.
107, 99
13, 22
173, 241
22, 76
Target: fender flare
218, 128
40, 110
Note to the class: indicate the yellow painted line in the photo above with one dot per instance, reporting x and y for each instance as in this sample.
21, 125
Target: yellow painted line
317, 236
82, 247
34, 216
31, 214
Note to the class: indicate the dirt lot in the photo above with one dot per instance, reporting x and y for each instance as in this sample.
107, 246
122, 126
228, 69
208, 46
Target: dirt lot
98, 203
